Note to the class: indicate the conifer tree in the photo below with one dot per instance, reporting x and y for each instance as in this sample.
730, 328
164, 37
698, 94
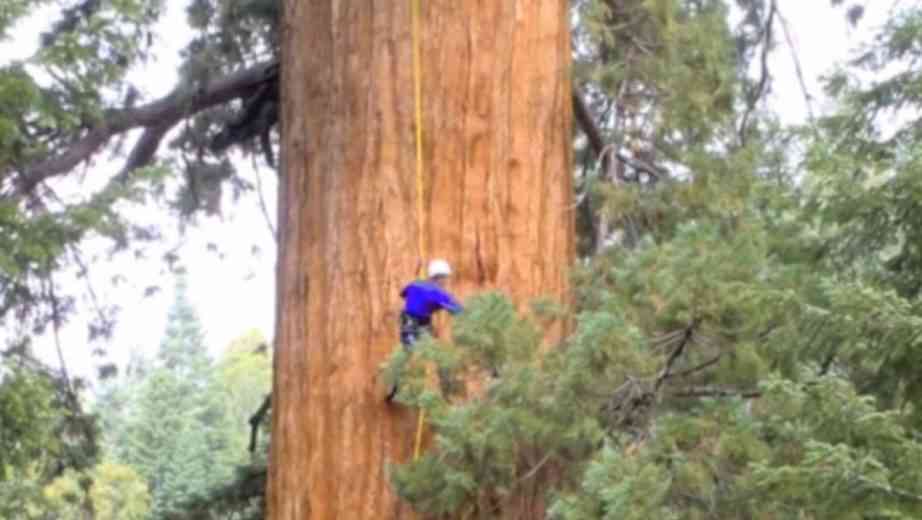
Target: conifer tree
176, 428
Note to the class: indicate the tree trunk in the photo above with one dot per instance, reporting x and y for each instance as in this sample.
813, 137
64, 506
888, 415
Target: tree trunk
498, 206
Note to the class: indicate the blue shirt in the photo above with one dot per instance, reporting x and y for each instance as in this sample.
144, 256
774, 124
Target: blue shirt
424, 298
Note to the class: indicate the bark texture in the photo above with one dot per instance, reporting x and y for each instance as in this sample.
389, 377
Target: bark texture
497, 122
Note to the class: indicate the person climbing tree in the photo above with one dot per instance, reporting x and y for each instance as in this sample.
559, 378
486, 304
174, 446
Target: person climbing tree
497, 196
423, 298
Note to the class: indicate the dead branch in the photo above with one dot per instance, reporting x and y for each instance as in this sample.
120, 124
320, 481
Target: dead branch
257, 419
808, 99
666, 373
707, 364
756, 94
587, 124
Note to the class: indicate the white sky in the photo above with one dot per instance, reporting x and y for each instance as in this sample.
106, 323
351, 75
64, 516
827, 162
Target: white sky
236, 294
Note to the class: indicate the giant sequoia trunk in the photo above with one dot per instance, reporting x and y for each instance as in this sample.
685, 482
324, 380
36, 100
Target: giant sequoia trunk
496, 102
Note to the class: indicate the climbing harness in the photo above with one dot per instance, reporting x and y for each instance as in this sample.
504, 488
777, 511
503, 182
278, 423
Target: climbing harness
420, 214
411, 329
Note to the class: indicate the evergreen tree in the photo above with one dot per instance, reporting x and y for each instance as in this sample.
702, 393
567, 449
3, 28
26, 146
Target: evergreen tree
242, 378
182, 349
175, 429
116, 402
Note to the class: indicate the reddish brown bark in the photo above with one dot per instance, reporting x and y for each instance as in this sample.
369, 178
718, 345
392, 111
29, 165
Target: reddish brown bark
497, 112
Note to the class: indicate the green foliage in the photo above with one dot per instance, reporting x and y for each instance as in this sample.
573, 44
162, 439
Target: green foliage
242, 378
587, 427
668, 78
181, 421
106, 492
22, 494
232, 32
118, 493
67, 496
34, 248
616, 486
29, 417
42, 436
681, 53
171, 431
182, 350
166, 444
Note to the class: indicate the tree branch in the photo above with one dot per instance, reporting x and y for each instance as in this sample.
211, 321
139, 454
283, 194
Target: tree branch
587, 124
698, 368
263, 207
666, 373
597, 142
145, 148
534, 470
888, 489
760, 89
257, 419
710, 391
56, 328
640, 165
808, 99
631, 404
157, 117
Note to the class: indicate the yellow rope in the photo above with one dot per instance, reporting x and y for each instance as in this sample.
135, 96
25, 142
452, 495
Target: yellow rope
417, 81
418, 95
419, 434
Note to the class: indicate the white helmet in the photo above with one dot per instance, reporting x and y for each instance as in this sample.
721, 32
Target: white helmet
439, 267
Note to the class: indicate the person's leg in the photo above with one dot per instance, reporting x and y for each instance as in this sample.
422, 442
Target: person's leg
409, 334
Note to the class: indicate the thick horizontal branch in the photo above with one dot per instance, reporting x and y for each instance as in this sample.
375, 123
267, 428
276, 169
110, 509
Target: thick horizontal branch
157, 116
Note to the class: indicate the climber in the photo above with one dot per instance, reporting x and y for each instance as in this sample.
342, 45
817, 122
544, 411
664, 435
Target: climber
422, 299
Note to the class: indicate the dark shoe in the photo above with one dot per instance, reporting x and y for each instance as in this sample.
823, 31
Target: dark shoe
391, 394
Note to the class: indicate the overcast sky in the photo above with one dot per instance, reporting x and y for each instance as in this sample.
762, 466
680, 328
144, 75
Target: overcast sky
236, 293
